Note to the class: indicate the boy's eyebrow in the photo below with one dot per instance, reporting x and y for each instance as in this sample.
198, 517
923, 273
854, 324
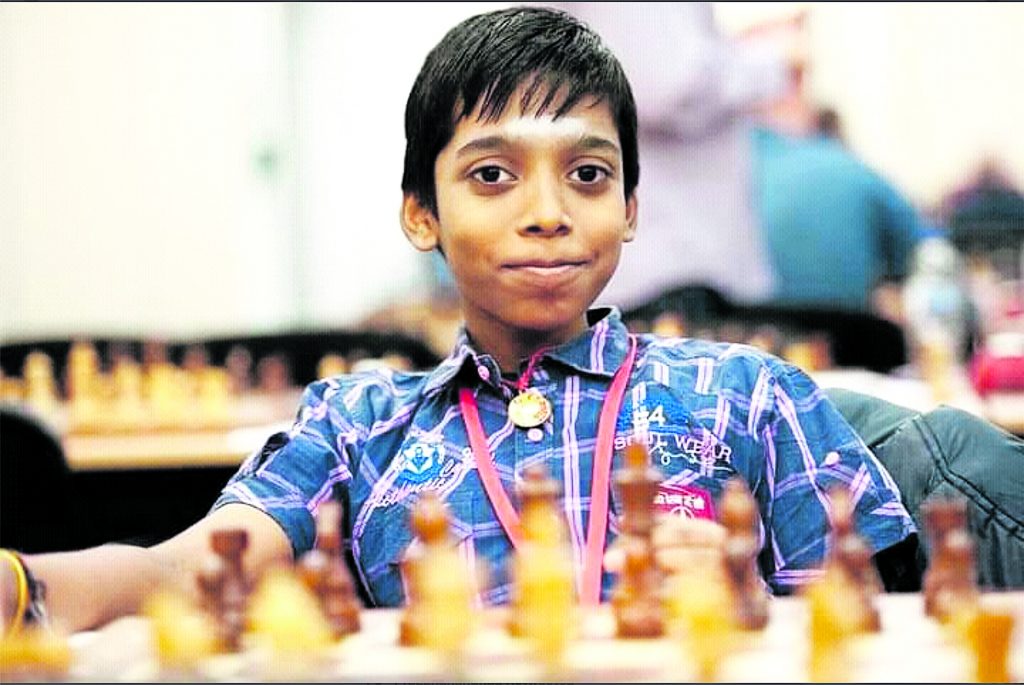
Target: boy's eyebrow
597, 143
497, 142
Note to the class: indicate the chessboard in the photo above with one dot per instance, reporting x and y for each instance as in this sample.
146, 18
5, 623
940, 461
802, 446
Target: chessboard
303, 621
911, 647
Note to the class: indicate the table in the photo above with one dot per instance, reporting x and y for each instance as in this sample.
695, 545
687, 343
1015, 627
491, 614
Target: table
169, 449
910, 648
254, 418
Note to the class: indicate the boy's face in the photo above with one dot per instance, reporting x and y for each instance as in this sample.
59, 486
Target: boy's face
531, 218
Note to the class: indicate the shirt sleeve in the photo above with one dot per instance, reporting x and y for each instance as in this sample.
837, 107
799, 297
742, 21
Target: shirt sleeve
811, 449
293, 472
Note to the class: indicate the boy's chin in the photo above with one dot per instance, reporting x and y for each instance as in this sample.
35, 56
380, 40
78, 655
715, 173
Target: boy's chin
551, 321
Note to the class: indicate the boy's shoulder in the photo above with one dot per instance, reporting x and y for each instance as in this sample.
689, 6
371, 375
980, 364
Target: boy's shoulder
377, 383
683, 350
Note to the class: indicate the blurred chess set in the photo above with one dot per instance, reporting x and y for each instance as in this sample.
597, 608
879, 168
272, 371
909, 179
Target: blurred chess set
144, 409
304, 622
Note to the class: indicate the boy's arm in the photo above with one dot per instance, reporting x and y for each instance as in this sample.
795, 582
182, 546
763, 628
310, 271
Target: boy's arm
87, 588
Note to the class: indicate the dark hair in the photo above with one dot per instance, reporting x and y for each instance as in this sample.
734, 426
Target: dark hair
485, 58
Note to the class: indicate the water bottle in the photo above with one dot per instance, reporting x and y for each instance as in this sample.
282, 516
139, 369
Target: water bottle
937, 310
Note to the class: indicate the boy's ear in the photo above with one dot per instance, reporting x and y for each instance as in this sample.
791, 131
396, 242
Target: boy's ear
631, 218
418, 223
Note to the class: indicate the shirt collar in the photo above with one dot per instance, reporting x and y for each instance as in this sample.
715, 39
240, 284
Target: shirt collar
599, 350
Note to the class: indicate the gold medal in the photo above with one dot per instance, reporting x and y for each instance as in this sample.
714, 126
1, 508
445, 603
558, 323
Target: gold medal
529, 409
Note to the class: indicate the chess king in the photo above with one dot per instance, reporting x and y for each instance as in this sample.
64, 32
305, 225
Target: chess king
521, 169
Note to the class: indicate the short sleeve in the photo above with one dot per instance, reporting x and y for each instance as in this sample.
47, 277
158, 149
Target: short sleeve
293, 472
811, 449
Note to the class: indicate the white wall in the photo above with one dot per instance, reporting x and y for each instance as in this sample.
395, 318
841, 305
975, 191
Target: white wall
131, 197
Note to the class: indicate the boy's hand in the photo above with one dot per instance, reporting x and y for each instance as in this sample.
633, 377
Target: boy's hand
681, 545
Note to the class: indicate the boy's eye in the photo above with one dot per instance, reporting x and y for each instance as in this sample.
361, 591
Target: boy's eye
589, 173
491, 174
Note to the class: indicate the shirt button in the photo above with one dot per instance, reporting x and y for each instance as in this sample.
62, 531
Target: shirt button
535, 435
485, 373
832, 458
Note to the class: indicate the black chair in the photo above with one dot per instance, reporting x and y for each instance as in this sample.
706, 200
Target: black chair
846, 331
35, 493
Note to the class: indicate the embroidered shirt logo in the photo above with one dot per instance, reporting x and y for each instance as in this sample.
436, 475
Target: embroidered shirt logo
422, 462
424, 466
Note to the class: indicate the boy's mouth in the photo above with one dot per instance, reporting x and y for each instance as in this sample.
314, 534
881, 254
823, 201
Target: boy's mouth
545, 266
546, 272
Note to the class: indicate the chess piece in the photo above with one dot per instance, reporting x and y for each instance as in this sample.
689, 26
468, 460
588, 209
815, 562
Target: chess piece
274, 374
709, 633
238, 363
636, 600
739, 516
83, 366
989, 635
331, 365
290, 635
213, 397
183, 634
325, 572
35, 654
40, 388
127, 411
223, 586
165, 392
397, 361
543, 604
439, 612
948, 564
851, 554
835, 615
954, 586
669, 325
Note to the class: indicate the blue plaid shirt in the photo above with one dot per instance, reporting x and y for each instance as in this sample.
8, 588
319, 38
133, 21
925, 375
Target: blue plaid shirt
709, 411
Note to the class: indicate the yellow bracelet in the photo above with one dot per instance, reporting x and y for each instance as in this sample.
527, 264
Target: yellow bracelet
22, 579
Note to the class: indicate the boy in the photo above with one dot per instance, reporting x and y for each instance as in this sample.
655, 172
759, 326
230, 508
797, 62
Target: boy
521, 168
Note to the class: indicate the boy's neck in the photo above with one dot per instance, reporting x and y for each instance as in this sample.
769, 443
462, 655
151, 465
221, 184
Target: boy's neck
511, 346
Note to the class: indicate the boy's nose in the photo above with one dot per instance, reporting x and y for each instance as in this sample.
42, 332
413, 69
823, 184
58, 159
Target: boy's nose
545, 209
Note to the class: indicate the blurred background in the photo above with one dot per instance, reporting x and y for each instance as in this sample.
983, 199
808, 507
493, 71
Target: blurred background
197, 169
215, 188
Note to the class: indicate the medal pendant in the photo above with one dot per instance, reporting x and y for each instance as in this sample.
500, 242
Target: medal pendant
529, 409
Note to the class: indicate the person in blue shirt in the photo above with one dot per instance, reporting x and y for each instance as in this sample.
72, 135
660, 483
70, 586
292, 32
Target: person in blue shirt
835, 229
521, 168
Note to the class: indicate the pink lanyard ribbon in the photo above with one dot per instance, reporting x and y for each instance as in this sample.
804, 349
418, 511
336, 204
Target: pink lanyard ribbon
597, 530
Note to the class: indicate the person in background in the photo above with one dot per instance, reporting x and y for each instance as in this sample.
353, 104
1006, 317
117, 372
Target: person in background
828, 123
838, 234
